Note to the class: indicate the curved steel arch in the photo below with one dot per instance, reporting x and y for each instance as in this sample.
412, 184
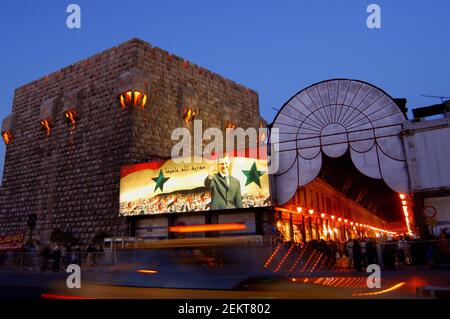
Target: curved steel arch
332, 117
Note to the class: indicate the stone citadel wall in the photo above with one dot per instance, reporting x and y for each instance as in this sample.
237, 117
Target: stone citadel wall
70, 178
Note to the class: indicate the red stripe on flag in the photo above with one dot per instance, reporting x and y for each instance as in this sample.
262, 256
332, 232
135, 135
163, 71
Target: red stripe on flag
258, 153
129, 169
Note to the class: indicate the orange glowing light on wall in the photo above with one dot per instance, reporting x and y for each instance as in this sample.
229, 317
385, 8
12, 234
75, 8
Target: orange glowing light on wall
345, 221
71, 117
322, 215
299, 209
408, 225
351, 223
339, 219
47, 126
229, 124
7, 137
188, 115
406, 213
262, 135
134, 98
333, 217
207, 228
405, 210
311, 211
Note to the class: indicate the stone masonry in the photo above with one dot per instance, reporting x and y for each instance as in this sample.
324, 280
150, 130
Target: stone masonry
70, 178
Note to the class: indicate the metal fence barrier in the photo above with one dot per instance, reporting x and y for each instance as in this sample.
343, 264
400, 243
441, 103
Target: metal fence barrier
419, 253
390, 255
37, 261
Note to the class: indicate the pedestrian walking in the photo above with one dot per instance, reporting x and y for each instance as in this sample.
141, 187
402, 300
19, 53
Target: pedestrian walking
389, 254
56, 258
349, 252
69, 259
357, 255
63, 257
363, 252
90, 250
371, 249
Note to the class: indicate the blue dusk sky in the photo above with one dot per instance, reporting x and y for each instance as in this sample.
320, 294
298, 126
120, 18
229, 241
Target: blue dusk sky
274, 47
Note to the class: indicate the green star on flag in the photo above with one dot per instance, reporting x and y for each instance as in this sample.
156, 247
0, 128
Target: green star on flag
160, 180
253, 175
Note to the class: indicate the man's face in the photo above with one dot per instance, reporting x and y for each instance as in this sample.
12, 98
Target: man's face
224, 165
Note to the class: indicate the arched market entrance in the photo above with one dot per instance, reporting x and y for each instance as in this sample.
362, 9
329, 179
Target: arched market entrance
346, 134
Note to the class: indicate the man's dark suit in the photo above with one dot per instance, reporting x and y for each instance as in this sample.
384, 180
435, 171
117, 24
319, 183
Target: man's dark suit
224, 196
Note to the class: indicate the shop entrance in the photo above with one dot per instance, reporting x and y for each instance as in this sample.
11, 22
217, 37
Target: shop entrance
341, 161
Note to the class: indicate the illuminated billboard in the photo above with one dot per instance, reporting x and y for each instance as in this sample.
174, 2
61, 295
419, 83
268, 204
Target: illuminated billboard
167, 186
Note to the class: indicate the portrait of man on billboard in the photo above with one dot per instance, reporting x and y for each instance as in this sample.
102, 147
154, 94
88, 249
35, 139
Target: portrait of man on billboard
225, 189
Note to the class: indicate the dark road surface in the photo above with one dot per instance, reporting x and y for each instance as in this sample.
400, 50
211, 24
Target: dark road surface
121, 284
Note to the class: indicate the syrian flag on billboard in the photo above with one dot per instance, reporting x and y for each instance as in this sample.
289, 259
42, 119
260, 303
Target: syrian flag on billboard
166, 186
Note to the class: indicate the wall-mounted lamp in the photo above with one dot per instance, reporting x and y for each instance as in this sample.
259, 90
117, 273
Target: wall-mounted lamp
71, 117
46, 114
133, 98
188, 103
8, 129
47, 126
230, 124
7, 137
133, 86
72, 104
262, 132
189, 115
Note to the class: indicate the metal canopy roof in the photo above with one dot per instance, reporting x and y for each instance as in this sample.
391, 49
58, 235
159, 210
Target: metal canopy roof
333, 117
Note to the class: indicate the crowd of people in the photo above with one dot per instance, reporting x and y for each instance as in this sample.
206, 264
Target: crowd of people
59, 257
361, 252
167, 203
183, 202
55, 257
390, 253
397, 252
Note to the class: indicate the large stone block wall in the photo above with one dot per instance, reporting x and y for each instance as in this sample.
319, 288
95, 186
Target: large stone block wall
70, 179
217, 100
